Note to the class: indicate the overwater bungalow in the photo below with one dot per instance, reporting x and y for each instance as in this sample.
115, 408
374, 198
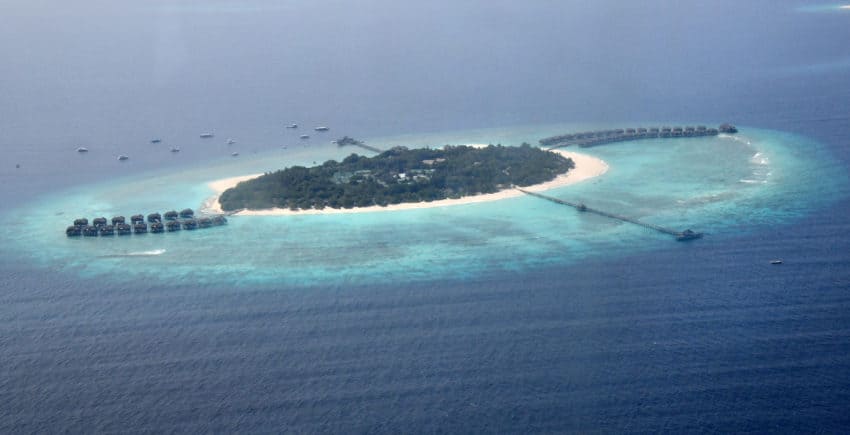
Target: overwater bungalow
107, 230
81, 222
727, 128
170, 215
190, 224
172, 226
123, 229
99, 222
154, 217
204, 222
73, 231
90, 231
219, 220
140, 228
118, 220
157, 227
187, 213
137, 218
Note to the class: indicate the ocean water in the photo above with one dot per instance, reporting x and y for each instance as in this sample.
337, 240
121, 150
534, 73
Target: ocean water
511, 316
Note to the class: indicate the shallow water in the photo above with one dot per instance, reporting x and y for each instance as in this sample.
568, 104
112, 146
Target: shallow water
721, 185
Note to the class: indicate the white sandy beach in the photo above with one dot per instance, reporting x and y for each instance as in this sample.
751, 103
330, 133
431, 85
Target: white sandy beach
585, 167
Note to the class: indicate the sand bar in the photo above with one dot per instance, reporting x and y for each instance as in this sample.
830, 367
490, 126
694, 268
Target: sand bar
586, 167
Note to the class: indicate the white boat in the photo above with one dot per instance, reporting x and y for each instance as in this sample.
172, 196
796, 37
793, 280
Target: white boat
322, 128
231, 141
175, 149
123, 157
292, 126
82, 150
777, 261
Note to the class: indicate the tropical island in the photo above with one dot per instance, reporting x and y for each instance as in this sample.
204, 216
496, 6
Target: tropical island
399, 175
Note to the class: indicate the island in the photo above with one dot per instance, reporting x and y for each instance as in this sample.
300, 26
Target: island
399, 175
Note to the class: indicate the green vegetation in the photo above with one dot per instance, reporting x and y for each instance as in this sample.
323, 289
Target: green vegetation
398, 175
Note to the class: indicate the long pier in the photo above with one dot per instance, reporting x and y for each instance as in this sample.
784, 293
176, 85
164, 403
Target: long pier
346, 141
679, 235
602, 137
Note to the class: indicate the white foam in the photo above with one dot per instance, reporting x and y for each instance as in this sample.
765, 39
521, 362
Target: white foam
146, 253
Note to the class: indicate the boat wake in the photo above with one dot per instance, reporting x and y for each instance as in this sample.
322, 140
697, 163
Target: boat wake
151, 253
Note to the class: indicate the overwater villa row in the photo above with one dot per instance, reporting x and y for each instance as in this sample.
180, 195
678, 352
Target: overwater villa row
170, 221
601, 137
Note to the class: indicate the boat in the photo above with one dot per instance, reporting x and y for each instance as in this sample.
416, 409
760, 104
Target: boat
234, 154
82, 150
305, 136
322, 128
207, 135
175, 149
231, 141
292, 126
688, 235
122, 157
777, 261
156, 140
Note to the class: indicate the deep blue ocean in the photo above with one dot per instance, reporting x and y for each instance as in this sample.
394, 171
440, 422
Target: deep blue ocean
702, 337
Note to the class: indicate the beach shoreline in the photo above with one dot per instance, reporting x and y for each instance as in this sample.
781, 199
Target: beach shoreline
586, 167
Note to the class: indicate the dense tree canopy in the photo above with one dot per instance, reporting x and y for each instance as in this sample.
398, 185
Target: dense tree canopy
398, 175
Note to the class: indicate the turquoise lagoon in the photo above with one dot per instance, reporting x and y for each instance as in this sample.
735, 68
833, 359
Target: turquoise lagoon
723, 186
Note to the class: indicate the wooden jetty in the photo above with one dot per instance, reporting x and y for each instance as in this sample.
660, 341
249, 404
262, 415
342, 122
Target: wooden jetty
679, 235
347, 141
602, 137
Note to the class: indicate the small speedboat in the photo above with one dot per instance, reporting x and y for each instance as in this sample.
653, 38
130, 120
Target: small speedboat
292, 126
305, 136
231, 141
123, 157
82, 150
322, 128
156, 140
234, 154
777, 261
207, 135
175, 149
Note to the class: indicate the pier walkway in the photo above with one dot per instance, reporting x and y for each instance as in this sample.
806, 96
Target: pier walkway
602, 137
679, 235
